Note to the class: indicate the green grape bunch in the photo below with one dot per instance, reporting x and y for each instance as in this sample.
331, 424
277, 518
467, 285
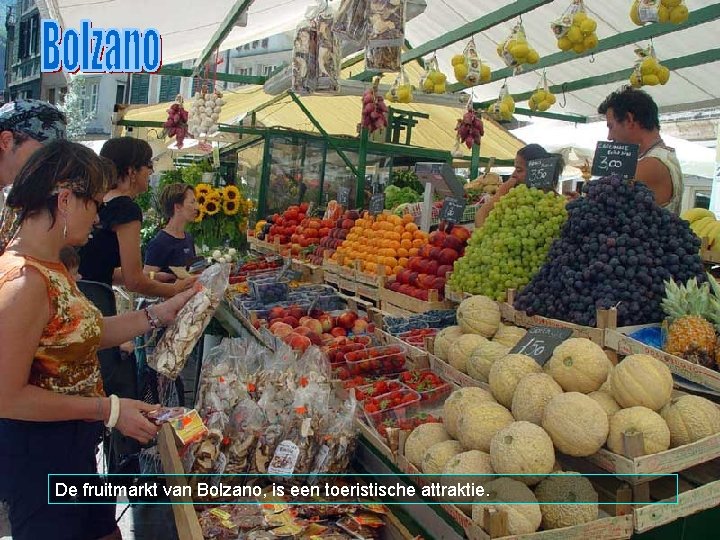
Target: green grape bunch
511, 246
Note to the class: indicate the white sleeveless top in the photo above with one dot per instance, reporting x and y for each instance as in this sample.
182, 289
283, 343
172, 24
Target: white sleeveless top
668, 158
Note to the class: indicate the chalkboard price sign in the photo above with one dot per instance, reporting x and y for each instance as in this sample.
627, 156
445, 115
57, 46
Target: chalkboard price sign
452, 210
377, 204
343, 196
540, 341
615, 158
541, 173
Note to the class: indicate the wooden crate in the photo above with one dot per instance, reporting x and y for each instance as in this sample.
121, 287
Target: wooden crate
620, 342
413, 305
455, 296
606, 528
311, 273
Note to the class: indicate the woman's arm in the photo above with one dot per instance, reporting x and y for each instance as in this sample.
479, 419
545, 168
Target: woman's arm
24, 313
135, 280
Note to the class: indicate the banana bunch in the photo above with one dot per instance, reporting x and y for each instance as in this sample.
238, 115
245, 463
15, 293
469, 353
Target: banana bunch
703, 224
663, 11
575, 30
542, 99
648, 71
469, 69
502, 110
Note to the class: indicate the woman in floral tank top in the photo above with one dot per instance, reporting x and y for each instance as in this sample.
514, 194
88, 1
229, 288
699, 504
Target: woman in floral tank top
52, 403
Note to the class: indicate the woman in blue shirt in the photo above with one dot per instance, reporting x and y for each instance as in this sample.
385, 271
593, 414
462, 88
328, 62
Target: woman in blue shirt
172, 246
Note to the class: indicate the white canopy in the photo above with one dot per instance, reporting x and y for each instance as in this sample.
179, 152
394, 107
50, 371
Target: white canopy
577, 142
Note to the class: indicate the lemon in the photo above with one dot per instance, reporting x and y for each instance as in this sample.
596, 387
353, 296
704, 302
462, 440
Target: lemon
580, 18
574, 35
635, 81
579, 48
519, 51
588, 26
663, 74
543, 106
679, 14
663, 14
670, 3
648, 66
550, 98
651, 80
457, 59
533, 57
440, 88
485, 73
428, 85
510, 103
507, 117
591, 41
564, 44
539, 95
461, 72
532, 104
437, 77
635, 14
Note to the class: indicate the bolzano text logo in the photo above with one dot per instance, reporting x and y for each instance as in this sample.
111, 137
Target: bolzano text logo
99, 50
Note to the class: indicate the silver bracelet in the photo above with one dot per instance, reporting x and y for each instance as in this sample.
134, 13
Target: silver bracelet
152, 319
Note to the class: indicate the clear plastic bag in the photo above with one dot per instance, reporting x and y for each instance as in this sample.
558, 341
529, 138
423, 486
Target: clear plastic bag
351, 20
385, 35
648, 71
304, 59
329, 54
243, 430
515, 51
339, 439
401, 91
574, 29
177, 342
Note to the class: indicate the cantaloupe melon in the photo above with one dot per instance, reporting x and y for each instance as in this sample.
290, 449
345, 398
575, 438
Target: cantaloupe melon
522, 448
460, 400
437, 456
522, 518
462, 348
655, 431
479, 315
444, 339
690, 418
532, 393
641, 380
606, 401
506, 373
482, 359
509, 336
577, 424
569, 489
479, 423
472, 462
578, 365
421, 438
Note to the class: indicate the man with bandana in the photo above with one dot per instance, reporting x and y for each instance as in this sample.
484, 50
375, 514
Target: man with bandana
25, 125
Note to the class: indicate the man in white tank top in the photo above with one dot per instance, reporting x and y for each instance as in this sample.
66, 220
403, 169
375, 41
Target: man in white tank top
632, 117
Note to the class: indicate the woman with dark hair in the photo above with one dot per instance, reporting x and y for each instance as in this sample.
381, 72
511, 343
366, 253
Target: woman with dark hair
116, 240
525, 154
52, 401
172, 246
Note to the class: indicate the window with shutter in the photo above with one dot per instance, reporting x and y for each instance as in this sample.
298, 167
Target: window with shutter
140, 88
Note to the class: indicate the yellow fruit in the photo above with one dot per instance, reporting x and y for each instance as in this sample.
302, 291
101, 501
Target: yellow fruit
543, 106
539, 95
439, 88
650, 80
485, 73
579, 18
679, 14
588, 26
663, 14
519, 51
670, 3
579, 48
550, 98
590, 41
461, 72
457, 59
574, 35
532, 104
663, 74
648, 66
635, 81
533, 57
564, 44
504, 109
428, 85
510, 103
404, 93
634, 13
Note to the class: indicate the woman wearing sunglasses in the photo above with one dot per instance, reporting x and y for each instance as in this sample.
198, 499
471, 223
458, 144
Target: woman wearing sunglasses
112, 256
52, 400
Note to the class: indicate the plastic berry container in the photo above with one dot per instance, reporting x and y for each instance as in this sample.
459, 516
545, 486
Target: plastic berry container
377, 389
378, 360
269, 290
432, 389
395, 406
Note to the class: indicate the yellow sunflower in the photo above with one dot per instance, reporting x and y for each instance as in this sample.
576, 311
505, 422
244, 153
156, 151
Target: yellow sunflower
211, 207
200, 216
232, 193
202, 189
201, 200
230, 207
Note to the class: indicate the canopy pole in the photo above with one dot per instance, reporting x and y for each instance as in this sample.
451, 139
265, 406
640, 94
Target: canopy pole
362, 161
475, 161
221, 33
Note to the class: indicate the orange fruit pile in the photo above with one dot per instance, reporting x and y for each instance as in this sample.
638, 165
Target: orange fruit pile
383, 240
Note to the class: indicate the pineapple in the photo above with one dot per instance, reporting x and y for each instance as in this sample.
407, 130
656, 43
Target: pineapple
690, 334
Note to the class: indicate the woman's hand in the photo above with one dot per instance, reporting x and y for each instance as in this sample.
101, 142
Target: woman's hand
184, 284
165, 277
167, 311
132, 423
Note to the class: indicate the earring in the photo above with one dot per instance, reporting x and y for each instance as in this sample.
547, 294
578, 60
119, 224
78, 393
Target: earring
64, 226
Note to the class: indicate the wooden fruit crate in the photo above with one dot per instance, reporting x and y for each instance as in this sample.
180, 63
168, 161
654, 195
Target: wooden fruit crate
608, 527
266, 247
411, 304
310, 273
455, 296
618, 341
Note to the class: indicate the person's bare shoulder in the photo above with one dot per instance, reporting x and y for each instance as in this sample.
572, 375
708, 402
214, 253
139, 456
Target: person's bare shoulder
655, 175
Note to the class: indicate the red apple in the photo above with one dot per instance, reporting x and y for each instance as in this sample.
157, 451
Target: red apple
314, 325
296, 311
281, 329
326, 322
292, 321
276, 313
312, 336
443, 269
435, 253
297, 342
448, 256
432, 267
338, 332
461, 233
326, 338
453, 242
346, 319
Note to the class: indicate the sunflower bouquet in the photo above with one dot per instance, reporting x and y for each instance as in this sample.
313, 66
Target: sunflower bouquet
223, 215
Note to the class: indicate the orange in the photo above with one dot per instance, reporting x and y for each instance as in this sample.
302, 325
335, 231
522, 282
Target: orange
418, 243
414, 251
397, 270
402, 252
407, 236
402, 261
420, 234
406, 243
399, 229
411, 227
408, 218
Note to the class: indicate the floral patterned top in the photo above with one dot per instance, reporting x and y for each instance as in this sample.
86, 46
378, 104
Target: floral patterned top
66, 359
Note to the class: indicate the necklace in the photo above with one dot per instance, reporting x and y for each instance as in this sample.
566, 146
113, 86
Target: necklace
653, 145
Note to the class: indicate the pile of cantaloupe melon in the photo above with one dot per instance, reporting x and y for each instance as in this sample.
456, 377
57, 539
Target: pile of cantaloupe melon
576, 404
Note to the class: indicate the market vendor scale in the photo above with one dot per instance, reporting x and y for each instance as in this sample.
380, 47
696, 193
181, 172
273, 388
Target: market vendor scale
99, 50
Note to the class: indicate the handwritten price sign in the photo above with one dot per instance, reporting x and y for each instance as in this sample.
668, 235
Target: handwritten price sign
615, 158
540, 341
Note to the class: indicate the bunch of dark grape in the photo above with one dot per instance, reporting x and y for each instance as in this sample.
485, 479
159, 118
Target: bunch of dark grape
616, 249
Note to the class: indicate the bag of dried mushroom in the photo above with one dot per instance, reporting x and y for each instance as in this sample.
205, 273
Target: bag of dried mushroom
179, 339
385, 35
350, 21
